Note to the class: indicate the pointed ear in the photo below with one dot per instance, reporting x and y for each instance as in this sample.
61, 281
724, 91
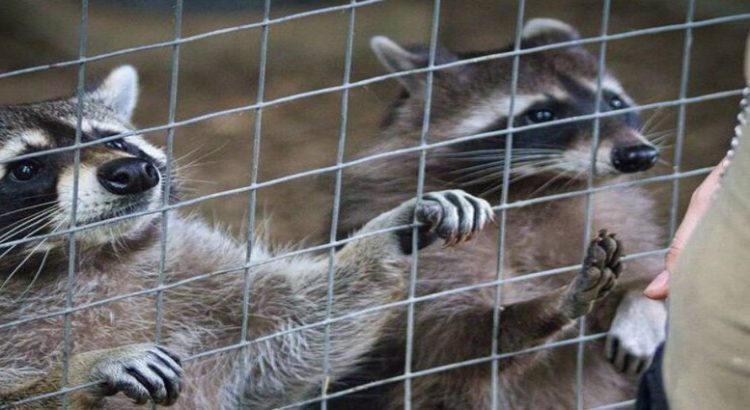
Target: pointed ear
396, 58
119, 91
541, 31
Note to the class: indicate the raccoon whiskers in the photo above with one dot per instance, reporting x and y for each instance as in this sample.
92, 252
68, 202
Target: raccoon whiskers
34, 278
496, 173
469, 172
25, 223
535, 170
657, 138
190, 180
27, 219
197, 161
26, 259
499, 153
27, 208
30, 234
653, 121
550, 182
524, 171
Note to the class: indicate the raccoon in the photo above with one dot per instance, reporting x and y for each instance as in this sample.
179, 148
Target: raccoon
554, 83
117, 264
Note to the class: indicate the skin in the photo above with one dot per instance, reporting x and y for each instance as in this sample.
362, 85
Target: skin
700, 202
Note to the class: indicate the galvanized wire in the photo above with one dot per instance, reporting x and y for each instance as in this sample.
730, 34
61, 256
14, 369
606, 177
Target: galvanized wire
681, 114
340, 150
388, 154
601, 69
70, 283
408, 374
500, 267
423, 140
167, 191
253, 196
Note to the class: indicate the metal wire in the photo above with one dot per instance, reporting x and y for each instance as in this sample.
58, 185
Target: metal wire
346, 86
423, 139
70, 283
681, 114
253, 197
173, 85
601, 67
340, 150
374, 157
500, 268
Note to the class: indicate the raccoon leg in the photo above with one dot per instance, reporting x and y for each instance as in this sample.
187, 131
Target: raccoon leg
637, 330
142, 372
522, 325
368, 272
459, 328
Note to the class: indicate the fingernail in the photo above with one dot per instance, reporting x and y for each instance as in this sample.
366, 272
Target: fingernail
660, 281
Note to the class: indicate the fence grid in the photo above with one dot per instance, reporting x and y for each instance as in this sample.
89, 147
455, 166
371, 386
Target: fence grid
257, 107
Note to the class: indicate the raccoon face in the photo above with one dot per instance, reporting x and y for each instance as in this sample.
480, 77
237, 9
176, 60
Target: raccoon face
115, 178
554, 84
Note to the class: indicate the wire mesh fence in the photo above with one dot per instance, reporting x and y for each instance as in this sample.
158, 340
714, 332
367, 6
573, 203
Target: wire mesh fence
502, 206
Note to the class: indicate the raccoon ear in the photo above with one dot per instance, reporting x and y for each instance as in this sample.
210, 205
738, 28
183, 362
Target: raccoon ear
119, 91
396, 58
541, 31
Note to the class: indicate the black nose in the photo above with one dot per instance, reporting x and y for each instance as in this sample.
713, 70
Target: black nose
634, 158
128, 176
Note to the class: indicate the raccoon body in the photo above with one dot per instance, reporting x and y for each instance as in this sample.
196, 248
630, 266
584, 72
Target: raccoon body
117, 264
475, 98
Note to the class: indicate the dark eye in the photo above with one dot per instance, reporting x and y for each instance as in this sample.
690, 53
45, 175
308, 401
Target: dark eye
616, 103
25, 170
118, 144
537, 116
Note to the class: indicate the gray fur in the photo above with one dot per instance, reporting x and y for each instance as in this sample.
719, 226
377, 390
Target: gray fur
466, 100
198, 315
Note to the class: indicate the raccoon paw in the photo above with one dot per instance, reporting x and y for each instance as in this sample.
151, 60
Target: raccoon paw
598, 276
453, 216
142, 372
639, 327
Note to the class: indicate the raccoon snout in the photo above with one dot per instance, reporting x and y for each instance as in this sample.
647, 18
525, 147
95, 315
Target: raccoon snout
128, 176
634, 158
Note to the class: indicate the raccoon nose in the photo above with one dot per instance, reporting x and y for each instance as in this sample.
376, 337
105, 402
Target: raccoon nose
634, 158
128, 176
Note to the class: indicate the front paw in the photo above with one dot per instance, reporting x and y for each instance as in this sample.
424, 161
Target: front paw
638, 328
142, 372
453, 216
598, 276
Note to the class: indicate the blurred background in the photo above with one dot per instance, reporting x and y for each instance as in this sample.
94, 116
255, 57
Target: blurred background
221, 72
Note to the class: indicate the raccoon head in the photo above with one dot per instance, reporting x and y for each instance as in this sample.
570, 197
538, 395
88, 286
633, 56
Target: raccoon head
553, 84
115, 178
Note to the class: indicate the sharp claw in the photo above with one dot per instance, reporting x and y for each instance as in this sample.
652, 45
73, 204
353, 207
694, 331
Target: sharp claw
626, 363
615, 349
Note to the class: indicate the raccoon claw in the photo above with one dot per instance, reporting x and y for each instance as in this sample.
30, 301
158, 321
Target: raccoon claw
454, 216
598, 276
142, 372
639, 327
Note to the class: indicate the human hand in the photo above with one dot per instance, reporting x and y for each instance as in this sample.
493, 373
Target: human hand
700, 201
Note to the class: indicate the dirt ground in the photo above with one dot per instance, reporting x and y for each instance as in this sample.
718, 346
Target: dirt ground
221, 72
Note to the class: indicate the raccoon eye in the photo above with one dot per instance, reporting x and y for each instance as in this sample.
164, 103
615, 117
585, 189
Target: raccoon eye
616, 103
25, 170
537, 116
118, 144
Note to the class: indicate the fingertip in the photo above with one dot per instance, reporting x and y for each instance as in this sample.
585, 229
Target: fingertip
658, 289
